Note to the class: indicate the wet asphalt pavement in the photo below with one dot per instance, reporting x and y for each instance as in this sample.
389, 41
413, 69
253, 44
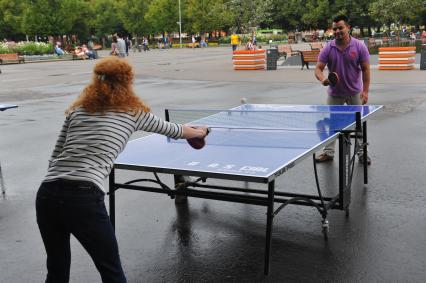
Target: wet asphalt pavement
383, 239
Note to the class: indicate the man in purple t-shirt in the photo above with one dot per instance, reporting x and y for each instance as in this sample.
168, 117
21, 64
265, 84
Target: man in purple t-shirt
349, 58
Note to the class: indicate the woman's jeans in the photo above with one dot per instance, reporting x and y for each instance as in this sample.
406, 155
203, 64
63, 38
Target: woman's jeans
74, 207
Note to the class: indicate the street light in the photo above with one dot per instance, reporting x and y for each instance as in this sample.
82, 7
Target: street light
180, 27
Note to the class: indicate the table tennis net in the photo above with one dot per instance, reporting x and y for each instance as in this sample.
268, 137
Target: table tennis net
264, 120
262, 138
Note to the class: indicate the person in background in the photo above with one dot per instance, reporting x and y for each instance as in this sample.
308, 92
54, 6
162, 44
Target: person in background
58, 49
350, 59
114, 46
70, 199
89, 53
145, 44
128, 45
170, 39
203, 42
235, 41
249, 45
80, 53
193, 40
121, 46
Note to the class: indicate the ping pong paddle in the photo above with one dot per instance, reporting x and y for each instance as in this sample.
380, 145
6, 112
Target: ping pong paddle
333, 78
198, 143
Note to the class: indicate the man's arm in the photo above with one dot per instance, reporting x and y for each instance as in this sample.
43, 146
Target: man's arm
319, 73
365, 67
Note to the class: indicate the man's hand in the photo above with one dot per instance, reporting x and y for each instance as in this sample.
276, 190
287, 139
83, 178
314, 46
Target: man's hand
364, 97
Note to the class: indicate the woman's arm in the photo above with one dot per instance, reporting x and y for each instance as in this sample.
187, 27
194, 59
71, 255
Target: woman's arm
60, 141
149, 122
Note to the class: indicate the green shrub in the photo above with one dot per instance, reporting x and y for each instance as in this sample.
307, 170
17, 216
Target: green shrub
27, 48
4, 48
279, 37
259, 38
34, 48
225, 40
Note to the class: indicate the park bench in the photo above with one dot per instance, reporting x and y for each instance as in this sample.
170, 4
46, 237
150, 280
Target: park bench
309, 56
285, 51
316, 45
11, 58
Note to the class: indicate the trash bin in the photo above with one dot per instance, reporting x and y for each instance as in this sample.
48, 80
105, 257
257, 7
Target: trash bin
423, 57
271, 59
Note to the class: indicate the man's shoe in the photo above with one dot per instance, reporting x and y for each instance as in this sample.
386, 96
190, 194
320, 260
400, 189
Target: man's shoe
324, 157
361, 159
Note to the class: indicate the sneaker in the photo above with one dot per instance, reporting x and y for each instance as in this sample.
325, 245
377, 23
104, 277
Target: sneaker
324, 157
361, 159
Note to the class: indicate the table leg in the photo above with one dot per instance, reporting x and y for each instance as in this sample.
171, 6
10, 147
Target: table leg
3, 188
344, 171
269, 221
365, 148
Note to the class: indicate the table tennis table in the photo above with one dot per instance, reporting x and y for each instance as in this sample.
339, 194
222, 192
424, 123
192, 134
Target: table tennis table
253, 143
4, 107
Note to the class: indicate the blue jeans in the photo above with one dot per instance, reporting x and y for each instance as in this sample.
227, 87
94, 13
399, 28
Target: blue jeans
73, 207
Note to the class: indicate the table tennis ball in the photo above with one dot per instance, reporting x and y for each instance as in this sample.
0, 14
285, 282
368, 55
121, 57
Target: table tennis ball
243, 100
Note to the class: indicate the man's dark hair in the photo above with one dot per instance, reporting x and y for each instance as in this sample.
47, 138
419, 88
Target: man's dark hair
341, 18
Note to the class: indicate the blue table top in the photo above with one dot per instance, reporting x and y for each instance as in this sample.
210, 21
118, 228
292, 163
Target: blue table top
254, 141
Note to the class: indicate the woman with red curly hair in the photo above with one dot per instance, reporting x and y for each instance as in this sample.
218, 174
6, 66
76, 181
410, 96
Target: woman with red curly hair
70, 199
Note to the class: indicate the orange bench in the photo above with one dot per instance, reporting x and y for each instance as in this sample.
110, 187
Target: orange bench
249, 59
397, 58
11, 58
309, 56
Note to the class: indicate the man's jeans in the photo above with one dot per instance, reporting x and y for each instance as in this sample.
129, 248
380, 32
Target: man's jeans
341, 100
73, 207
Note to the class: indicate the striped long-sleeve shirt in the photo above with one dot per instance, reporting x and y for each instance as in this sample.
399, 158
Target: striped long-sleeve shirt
89, 143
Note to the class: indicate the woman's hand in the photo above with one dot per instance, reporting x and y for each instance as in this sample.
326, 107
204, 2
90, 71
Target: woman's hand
190, 132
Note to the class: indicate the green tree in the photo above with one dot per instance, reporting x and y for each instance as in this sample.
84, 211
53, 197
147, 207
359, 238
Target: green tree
288, 13
132, 14
163, 15
75, 16
104, 19
199, 15
249, 14
57, 18
316, 14
11, 18
395, 11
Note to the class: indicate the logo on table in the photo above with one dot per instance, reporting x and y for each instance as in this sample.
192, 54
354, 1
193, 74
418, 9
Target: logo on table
254, 169
232, 167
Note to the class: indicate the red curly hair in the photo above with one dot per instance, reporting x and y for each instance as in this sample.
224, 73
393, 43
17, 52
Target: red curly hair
110, 89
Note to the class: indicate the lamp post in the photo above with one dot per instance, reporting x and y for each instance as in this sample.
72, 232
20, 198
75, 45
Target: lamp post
180, 27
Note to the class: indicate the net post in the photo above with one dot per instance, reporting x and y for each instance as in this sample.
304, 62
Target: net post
167, 115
